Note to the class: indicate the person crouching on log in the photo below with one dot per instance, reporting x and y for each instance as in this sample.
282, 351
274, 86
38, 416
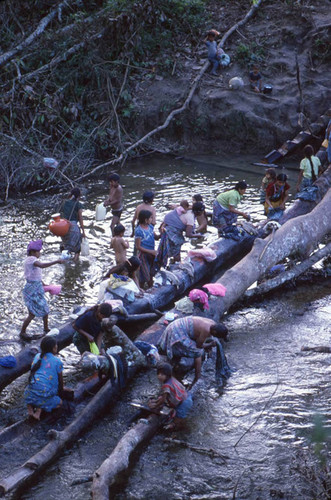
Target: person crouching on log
33, 291
225, 211
172, 394
45, 380
186, 338
88, 335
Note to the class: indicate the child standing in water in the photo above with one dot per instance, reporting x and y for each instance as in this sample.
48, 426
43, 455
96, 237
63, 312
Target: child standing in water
147, 204
269, 178
172, 394
119, 244
33, 292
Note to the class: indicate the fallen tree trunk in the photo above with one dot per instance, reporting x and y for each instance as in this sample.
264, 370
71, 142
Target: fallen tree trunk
298, 235
118, 461
274, 283
60, 439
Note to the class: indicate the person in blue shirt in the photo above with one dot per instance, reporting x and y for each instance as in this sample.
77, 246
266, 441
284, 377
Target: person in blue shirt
89, 328
145, 245
213, 57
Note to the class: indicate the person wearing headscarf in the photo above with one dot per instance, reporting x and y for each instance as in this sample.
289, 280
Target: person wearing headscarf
33, 291
72, 211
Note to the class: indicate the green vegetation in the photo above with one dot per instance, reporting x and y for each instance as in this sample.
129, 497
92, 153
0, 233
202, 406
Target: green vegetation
250, 53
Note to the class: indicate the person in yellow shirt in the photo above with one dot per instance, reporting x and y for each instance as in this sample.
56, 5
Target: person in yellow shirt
225, 211
310, 168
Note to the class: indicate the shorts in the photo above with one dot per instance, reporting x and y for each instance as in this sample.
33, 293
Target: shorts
183, 408
117, 213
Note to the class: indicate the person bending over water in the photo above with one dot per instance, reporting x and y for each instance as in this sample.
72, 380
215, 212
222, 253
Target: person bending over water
33, 292
45, 380
72, 211
186, 337
129, 268
276, 196
225, 211
89, 328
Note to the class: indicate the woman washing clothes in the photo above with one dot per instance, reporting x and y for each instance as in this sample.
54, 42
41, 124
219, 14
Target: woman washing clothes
175, 224
72, 211
276, 196
225, 212
88, 335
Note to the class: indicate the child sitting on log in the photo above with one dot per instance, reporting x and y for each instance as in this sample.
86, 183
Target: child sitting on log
172, 394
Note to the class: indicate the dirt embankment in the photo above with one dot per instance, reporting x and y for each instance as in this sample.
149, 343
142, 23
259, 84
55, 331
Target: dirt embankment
220, 119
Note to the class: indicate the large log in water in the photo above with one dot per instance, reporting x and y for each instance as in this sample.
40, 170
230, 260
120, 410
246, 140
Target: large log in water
298, 235
118, 461
60, 439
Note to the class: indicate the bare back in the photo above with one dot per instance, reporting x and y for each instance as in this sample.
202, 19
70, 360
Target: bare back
201, 329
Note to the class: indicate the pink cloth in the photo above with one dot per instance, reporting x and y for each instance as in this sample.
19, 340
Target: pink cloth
32, 272
199, 296
206, 253
215, 289
180, 210
53, 289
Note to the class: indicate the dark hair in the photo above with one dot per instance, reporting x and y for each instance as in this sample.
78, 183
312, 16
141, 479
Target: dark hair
143, 216
272, 172
75, 192
309, 151
164, 368
198, 207
119, 229
240, 185
130, 265
105, 309
282, 177
148, 196
197, 197
46, 345
114, 177
220, 331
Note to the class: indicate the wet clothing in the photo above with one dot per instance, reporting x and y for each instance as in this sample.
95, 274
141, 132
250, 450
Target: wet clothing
178, 341
33, 291
117, 212
172, 238
90, 324
73, 239
147, 240
42, 391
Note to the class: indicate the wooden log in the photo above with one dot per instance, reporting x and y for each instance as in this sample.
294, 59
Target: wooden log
298, 235
118, 461
294, 272
119, 338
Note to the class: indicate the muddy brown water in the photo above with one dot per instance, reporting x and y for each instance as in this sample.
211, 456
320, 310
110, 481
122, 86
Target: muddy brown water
269, 402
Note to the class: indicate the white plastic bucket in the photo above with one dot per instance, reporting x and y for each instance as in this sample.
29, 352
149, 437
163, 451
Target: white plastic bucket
100, 212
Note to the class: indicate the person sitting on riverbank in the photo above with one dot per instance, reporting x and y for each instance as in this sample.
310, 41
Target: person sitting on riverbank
145, 245
310, 168
213, 57
172, 394
276, 196
172, 229
88, 335
33, 291
225, 212
119, 244
255, 79
147, 204
269, 178
45, 380
115, 200
72, 210
186, 338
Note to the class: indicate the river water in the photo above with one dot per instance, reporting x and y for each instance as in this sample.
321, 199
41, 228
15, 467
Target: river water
269, 403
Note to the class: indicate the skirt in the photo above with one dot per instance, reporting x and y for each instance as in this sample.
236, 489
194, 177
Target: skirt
73, 239
34, 298
222, 217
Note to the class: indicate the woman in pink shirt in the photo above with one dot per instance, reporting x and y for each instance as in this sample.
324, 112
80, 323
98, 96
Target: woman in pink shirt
33, 292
